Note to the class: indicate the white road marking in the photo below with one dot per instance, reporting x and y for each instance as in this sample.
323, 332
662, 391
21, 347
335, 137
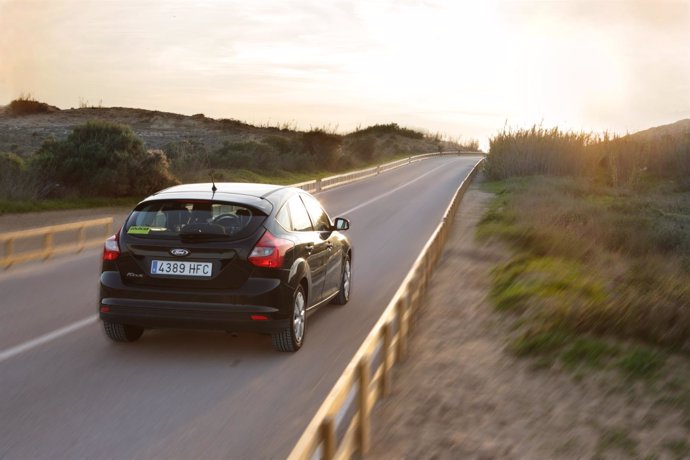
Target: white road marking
38, 341
21, 348
383, 195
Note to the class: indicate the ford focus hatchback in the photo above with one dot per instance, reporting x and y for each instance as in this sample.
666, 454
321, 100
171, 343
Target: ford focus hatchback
224, 256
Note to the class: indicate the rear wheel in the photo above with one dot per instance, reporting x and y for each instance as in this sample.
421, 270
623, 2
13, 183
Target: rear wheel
345, 283
290, 339
122, 332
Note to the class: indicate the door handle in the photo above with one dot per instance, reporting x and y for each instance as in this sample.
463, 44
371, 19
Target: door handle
329, 245
309, 248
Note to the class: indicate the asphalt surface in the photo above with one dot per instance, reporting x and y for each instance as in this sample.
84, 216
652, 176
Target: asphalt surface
201, 394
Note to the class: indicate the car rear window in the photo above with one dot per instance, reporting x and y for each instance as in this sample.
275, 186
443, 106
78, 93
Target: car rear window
193, 219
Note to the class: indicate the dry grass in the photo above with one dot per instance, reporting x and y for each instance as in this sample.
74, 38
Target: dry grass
594, 259
600, 226
613, 160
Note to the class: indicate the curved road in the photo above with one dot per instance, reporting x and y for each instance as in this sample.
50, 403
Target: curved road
182, 394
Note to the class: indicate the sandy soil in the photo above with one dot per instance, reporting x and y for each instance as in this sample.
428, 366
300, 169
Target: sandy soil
461, 394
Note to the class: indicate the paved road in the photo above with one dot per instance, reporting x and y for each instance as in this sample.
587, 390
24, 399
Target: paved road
182, 394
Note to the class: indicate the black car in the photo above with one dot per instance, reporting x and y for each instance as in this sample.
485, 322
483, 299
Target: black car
224, 256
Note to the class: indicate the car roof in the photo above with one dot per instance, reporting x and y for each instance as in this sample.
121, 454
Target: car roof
237, 188
262, 196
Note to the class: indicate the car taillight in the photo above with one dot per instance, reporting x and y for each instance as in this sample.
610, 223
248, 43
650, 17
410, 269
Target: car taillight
270, 251
111, 249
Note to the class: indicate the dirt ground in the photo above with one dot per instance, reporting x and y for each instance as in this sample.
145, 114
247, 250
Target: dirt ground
462, 394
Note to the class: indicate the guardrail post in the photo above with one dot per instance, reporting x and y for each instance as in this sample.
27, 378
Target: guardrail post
9, 251
328, 435
81, 238
48, 245
378, 169
402, 328
318, 185
364, 429
385, 371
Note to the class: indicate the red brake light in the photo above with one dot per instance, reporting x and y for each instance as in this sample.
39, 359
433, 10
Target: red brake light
270, 251
111, 249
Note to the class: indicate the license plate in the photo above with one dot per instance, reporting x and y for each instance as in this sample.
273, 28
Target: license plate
170, 268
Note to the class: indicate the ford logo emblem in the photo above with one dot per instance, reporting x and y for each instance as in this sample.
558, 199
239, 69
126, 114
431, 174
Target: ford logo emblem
179, 252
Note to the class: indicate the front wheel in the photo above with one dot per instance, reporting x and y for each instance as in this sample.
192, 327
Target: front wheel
345, 284
122, 332
291, 338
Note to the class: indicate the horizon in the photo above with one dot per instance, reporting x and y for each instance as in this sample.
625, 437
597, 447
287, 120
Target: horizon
356, 64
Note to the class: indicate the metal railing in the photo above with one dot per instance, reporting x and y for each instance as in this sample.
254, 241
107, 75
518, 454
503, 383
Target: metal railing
46, 235
341, 425
318, 185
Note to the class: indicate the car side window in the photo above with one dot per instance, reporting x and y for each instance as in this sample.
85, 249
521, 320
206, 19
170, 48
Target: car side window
321, 221
299, 216
283, 218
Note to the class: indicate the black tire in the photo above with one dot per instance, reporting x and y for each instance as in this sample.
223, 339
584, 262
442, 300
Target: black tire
291, 338
345, 283
122, 332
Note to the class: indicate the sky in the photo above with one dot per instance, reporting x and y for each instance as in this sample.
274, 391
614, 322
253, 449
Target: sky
462, 68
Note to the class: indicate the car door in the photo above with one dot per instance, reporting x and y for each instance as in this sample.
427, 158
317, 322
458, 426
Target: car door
310, 244
324, 227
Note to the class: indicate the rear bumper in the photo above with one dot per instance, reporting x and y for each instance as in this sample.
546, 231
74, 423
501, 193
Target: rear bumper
155, 307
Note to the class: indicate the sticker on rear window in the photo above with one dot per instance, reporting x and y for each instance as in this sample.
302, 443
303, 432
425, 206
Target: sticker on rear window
136, 230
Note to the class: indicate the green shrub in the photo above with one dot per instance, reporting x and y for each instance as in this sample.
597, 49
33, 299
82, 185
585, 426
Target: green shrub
15, 180
241, 155
282, 145
186, 156
103, 159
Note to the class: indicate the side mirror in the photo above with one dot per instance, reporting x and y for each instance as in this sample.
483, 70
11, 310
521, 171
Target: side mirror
341, 224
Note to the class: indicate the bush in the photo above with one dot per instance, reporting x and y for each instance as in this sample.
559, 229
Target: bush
364, 148
15, 180
27, 105
391, 128
324, 147
186, 156
282, 145
103, 159
243, 155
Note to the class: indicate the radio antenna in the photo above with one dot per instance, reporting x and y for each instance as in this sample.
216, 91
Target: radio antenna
213, 187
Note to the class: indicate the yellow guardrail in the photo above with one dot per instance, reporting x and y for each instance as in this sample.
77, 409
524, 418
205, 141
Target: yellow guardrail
341, 425
11, 256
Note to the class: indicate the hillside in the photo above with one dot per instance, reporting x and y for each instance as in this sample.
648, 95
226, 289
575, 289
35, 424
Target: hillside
680, 128
24, 134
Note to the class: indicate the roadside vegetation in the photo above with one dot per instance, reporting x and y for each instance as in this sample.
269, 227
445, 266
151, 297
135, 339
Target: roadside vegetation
27, 105
101, 162
599, 228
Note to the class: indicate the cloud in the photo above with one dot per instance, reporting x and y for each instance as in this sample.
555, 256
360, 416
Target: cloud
456, 64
